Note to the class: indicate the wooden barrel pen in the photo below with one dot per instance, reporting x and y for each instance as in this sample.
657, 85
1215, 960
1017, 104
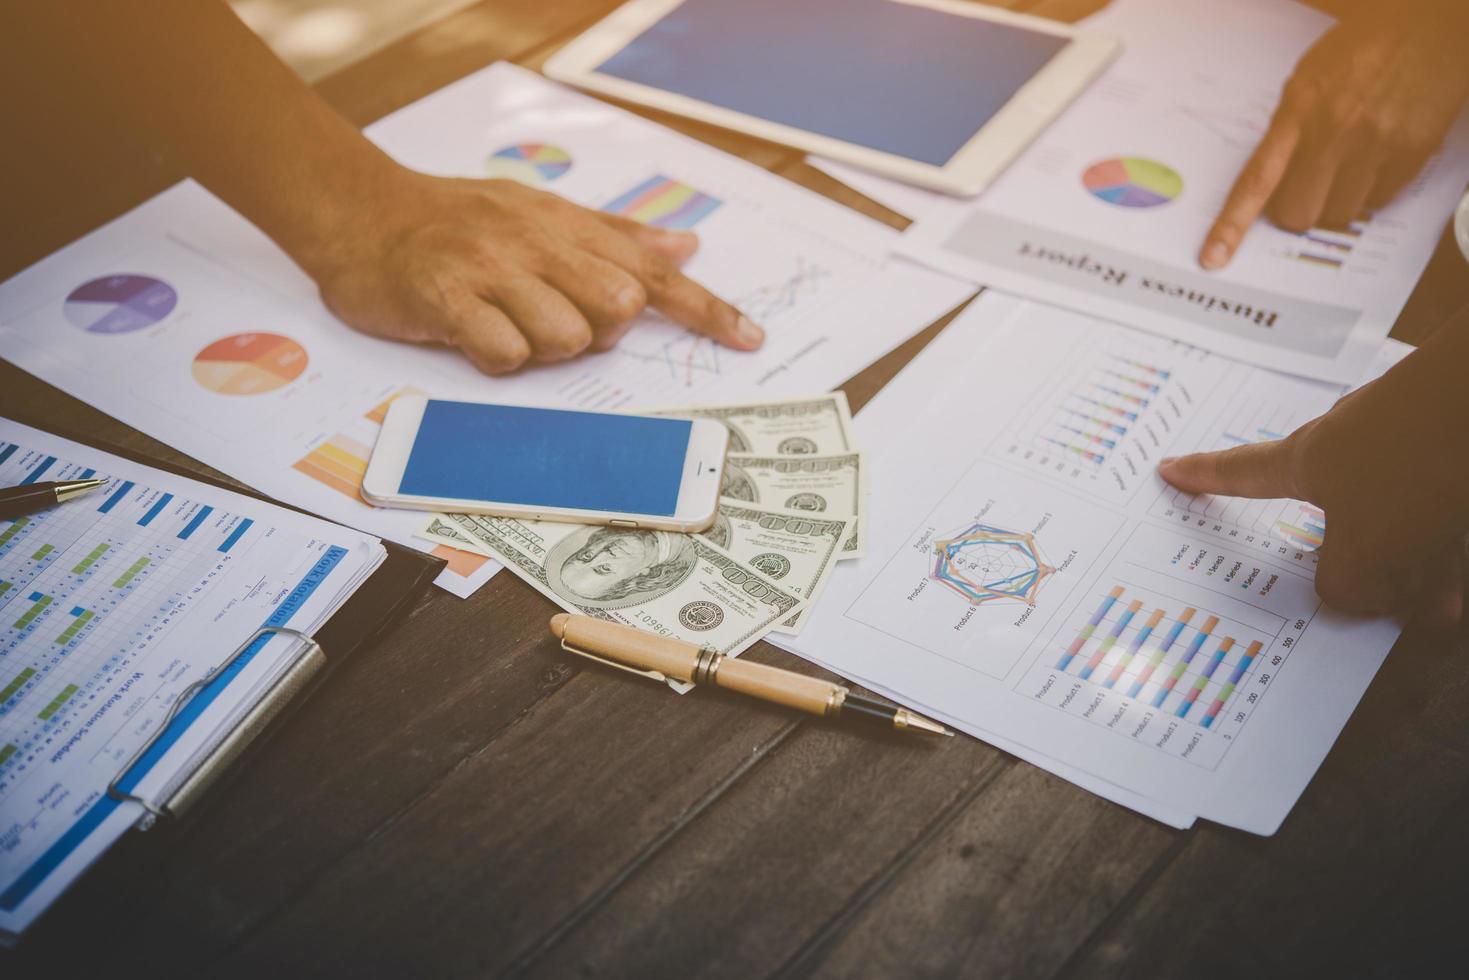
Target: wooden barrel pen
669, 660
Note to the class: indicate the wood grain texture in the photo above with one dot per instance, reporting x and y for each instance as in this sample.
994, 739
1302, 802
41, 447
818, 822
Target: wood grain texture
465, 799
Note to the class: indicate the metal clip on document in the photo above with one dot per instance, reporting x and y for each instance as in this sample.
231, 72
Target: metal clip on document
185, 790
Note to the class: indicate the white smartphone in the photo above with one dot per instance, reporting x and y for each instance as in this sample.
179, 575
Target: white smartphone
548, 464
939, 93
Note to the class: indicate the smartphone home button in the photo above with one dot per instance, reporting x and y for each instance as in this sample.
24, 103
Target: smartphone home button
618, 522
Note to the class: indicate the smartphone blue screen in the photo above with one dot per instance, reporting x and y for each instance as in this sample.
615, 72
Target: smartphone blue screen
548, 458
891, 76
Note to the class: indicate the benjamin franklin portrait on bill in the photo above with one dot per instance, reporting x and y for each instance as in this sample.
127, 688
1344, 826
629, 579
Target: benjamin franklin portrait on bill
613, 568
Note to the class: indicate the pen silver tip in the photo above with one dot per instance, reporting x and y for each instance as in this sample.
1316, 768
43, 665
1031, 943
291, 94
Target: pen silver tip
67, 489
905, 719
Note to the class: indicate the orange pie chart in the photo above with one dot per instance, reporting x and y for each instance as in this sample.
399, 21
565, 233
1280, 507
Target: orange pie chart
249, 363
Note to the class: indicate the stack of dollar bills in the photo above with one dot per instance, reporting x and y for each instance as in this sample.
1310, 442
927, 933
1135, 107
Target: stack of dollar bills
790, 508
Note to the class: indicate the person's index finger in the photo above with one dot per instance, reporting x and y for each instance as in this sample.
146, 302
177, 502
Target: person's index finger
1261, 470
1251, 191
689, 304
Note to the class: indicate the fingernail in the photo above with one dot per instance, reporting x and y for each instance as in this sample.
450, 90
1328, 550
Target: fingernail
1215, 255
1167, 460
748, 333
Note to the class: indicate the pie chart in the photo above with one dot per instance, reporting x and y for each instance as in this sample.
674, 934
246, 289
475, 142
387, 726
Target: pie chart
119, 304
1132, 182
529, 163
249, 363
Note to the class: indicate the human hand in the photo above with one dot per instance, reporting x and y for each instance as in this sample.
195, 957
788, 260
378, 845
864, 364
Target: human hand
1395, 534
506, 273
1367, 106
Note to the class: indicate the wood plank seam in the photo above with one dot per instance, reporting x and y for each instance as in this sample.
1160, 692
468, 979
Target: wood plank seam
549, 939
288, 901
1074, 965
808, 956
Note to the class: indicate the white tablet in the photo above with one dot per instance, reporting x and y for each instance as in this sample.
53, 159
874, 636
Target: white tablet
940, 93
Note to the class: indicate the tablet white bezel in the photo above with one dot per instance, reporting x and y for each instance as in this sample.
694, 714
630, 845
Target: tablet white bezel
976, 163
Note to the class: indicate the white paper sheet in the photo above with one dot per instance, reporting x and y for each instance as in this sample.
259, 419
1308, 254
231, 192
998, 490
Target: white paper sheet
1107, 210
1016, 495
112, 605
187, 302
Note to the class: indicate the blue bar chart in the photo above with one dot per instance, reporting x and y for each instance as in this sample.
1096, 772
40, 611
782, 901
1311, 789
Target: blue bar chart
1174, 660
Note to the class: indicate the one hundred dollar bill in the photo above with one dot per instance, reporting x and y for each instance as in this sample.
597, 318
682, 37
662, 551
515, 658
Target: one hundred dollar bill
677, 585
797, 550
440, 530
828, 485
795, 427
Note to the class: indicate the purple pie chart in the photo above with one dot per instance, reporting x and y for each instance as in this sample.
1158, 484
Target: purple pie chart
119, 304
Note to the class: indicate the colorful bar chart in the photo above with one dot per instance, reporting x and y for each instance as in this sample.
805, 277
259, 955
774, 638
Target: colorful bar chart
664, 203
1146, 674
1133, 648
1305, 529
1177, 664
1240, 669
1087, 630
1328, 248
1105, 647
1091, 418
1189, 654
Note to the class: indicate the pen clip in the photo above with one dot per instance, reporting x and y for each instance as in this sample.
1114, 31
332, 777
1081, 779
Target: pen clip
651, 674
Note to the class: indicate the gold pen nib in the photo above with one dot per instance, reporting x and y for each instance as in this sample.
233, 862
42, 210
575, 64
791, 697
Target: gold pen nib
67, 489
905, 719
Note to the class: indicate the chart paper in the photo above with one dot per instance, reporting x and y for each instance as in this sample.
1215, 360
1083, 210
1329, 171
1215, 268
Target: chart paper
183, 320
110, 606
1030, 578
1106, 212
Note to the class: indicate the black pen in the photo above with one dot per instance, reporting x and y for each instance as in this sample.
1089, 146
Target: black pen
20, 501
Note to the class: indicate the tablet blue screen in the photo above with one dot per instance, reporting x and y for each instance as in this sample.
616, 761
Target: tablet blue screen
548, 458
890, 76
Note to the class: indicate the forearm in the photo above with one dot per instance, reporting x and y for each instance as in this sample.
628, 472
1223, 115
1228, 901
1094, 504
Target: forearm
192, 75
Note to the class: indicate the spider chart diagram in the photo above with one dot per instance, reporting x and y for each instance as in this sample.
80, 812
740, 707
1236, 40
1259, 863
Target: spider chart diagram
986, 564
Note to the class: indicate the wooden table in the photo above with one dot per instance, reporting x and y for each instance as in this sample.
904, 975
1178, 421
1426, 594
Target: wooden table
463, 799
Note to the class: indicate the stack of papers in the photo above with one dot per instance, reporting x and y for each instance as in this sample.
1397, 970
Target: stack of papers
1029, 579
111, 606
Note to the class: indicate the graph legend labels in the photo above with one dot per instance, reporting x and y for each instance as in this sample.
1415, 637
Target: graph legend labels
665, 203
529, 163
119, 304
249, 364
1132, 182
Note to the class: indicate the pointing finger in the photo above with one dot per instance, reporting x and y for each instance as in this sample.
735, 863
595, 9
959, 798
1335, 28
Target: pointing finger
1262, 470
1252, 189
677, 296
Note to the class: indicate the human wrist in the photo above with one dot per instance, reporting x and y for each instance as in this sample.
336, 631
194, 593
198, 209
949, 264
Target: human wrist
344, 212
